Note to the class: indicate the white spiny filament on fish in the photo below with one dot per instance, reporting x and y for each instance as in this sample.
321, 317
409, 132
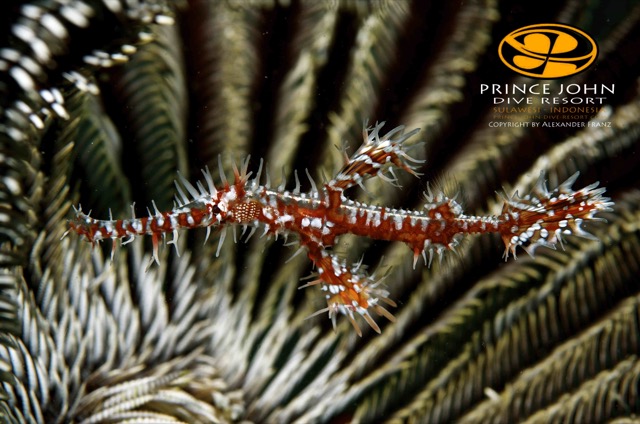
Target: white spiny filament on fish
320, 215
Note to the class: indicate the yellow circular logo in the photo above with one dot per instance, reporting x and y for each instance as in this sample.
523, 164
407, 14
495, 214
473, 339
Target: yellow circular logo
548, 51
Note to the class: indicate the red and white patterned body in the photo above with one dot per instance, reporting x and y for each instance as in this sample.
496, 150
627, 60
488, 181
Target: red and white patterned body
319, 216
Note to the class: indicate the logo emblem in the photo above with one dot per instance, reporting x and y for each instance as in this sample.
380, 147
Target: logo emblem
547, 51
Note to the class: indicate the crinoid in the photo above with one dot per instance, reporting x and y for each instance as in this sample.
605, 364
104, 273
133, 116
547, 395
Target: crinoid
105, 103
